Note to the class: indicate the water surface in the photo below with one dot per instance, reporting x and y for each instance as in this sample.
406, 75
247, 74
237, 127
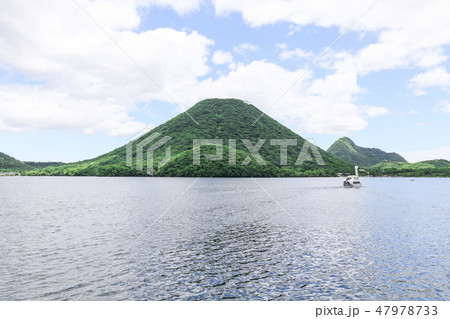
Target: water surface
91, 238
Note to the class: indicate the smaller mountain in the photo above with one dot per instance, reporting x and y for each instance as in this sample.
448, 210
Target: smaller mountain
8, 162
424, 165
347, 150
433, 168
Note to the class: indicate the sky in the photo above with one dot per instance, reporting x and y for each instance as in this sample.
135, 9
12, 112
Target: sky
78, 78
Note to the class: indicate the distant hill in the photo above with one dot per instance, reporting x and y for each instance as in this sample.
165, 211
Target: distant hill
223, 119
8, 162
347, 150
432, 164
432, 168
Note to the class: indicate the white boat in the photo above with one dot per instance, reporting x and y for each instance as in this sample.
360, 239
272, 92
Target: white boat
353, 180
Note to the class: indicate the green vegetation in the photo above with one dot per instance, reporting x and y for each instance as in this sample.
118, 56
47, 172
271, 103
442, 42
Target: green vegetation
346, 150
8, 163
231, 119
379, 163
217, 119
433, 168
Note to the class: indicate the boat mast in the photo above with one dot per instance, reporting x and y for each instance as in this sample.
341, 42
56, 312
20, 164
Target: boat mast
356, 171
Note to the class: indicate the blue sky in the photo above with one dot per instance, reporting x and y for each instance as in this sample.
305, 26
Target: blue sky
68, 92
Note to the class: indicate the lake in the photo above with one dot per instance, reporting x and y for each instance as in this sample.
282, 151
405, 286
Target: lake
92, 238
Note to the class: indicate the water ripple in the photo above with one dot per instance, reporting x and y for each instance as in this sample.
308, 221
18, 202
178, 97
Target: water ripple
225, 240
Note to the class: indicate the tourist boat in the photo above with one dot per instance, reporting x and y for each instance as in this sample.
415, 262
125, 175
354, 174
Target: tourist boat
353, 180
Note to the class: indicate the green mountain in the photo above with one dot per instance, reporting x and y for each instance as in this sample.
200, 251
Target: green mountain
220, 119
440, 163
10, 164
433, 168
345, 149
7, 162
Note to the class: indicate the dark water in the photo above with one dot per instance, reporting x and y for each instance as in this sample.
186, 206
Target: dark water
84, 238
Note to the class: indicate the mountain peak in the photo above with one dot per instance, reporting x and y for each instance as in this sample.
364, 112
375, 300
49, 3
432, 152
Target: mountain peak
347, 150
345, 140
224, 106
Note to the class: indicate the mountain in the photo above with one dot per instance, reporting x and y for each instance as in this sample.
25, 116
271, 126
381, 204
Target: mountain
432, 164
8, 162
433, 168
220, 119
345, 149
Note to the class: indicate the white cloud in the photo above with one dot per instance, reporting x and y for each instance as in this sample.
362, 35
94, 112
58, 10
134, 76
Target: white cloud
222, 57
85, 80
26, 107
414, 112
293, 29
320, 106
87, 83
418, 156
446, 109
180, 6
295, 54
443, 106
334, 100
282, 46
245, 47
261, 12
374, 111
430, 57
410, 33
435, 77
